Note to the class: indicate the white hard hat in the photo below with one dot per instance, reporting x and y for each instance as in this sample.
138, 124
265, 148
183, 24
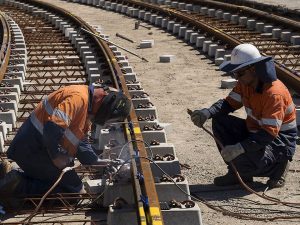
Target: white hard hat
241, 56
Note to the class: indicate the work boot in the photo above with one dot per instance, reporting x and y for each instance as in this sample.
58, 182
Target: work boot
8, 186
5, 167
278, 177
230, 179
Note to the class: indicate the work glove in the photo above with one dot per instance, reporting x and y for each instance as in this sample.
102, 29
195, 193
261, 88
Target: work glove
230, 152
103, 162
199, 117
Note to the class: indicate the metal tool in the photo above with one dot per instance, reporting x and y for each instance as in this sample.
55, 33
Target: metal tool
125, 38
138, 24
103, 39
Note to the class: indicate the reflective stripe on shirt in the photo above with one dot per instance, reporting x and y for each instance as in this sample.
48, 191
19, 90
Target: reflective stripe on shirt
39, 126
237, 97
56, 112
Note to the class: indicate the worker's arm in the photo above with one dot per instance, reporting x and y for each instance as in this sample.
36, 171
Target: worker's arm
231, 103
52, 135
85, 153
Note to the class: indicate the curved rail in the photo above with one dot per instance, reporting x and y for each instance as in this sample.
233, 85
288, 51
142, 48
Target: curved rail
6, 43
290, 78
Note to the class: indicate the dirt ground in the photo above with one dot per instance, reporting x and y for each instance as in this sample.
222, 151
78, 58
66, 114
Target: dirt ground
191, 81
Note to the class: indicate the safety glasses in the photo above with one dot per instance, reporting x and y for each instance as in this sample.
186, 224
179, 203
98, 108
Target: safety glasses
238, 74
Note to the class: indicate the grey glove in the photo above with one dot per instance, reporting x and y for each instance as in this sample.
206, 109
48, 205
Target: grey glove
103, 162
199, 117
230, 152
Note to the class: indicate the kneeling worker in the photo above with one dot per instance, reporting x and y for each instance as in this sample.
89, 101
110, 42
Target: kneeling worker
56, 133
263, 144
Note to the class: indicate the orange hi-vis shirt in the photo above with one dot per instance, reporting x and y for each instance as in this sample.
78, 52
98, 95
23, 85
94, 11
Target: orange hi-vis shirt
272, 110
68, 108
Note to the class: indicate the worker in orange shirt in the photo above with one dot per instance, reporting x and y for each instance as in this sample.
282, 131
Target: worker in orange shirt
262, 144
55, 134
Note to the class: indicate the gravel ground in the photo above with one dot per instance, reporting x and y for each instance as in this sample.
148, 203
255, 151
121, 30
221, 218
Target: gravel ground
192, 81
292, 4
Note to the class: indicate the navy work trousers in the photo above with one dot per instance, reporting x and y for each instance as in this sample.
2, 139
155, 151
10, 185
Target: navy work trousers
39, 173
231, 130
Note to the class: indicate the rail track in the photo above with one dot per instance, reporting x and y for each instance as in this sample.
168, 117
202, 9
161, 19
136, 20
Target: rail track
57, 53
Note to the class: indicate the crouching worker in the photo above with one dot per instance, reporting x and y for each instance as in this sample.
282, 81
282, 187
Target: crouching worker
263, 144
56, 133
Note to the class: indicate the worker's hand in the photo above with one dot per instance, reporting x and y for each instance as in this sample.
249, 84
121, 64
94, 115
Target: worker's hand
103, 162
62, 161
230, 152
199, 117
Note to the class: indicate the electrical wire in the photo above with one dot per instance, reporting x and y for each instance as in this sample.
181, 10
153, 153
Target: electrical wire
131, 141
219, 208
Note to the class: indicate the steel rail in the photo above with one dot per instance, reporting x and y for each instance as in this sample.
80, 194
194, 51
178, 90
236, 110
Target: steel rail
291, 79
6, 45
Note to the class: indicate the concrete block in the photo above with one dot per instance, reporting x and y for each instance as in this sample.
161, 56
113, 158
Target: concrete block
219, 14
181, 32
15, 81
146, 43
176, 28
203, 10
174, 4
211, 12
234, 19
212, 49
147, 16
164, 23
187, 35
200, 40
170, 167
166, 58
7, 103
124, 9
167, 191
193, 37
196, 8
2, 149
226, 16
251, 24
260, 26
125, 215
170, 25
141, 14
206, 45
219, 61
181, 5
227, 57
153, 18
189, 7
190, 216
243, 20
268, 28
119, 7
228, 83
158, 21
286, 36
276, 33
9, 117
145, 112
162, 149
220, 53
158, 135
114, 190
295, 40
3, 130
